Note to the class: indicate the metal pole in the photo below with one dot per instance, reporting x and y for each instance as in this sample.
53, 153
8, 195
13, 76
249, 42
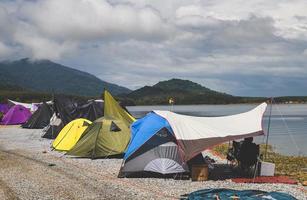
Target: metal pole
53, 110
268, 133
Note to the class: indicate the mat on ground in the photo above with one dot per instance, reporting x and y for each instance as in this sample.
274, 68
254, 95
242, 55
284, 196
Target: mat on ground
223, 194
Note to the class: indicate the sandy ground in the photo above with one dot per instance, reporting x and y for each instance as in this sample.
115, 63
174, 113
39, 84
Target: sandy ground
30, 170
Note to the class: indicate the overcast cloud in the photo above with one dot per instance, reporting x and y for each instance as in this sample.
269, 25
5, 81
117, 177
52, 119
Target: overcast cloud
250, 48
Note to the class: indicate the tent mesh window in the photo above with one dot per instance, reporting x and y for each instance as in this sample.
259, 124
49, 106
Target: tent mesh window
163, 133
114, 127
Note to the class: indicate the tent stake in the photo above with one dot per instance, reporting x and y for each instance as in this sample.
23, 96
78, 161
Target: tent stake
268, 133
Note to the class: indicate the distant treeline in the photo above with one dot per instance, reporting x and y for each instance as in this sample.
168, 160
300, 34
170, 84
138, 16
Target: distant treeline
22, 95
16, 93
291, 99
28, 97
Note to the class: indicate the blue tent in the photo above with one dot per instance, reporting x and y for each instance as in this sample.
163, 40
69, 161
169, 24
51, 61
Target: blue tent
143, 129
152, 148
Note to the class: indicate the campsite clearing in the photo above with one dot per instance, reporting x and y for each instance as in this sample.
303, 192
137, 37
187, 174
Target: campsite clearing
30, 170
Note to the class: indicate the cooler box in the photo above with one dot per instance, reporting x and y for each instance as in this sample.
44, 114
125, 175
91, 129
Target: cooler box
200, 172
266, 169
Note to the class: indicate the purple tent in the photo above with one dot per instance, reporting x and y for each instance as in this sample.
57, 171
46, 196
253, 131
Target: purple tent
16, 115
4, 108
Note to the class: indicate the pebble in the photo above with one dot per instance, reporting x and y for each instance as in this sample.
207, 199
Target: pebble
98, 178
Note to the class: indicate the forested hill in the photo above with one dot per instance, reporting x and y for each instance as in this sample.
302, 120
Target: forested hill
35, 81
47, 77
182, 91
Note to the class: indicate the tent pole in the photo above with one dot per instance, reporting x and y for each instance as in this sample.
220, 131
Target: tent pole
268, 133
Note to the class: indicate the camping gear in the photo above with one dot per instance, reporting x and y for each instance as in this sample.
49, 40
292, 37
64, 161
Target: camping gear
245, 152
199, 172
107, 136
266, 169
70, 134
40, 118
16, 115
54, 127
226, 194
152, 148
195, 134
266, 179
4, 108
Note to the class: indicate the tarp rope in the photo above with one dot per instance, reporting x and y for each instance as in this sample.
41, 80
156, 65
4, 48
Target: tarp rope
289, 132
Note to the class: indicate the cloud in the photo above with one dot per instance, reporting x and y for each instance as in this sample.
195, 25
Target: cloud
51, 29
240, 47
4, 50
93, 19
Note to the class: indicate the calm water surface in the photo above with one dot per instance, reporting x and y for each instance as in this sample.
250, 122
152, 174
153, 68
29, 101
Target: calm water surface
288, 129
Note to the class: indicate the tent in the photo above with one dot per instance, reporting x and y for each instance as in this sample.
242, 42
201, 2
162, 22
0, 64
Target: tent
40, 118
31, 106
4, 108
152, 148
53, 128
195, 134
106, 136
67, 109
70, 134
16, 115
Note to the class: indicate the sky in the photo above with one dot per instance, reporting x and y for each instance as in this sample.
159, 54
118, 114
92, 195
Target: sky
246, 48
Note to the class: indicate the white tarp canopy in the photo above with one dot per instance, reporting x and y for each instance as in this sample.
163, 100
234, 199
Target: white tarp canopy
195, 134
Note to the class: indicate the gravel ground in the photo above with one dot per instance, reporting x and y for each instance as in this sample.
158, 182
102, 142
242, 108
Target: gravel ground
30, 170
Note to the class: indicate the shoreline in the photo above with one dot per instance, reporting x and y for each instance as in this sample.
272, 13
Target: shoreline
285, 165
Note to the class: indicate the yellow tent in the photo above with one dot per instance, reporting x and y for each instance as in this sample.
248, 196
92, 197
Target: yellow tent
107, 136
70, 134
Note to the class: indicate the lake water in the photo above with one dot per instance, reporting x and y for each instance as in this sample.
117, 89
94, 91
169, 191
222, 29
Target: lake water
288, 129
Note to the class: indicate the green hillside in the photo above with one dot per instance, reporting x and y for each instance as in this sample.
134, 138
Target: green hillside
35, 81
183, 91
46, 77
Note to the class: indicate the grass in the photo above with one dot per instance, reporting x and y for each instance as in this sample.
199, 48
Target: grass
292, 166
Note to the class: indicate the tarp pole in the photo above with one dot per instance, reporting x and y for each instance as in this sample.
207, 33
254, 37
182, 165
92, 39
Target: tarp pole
268, 132
53, 107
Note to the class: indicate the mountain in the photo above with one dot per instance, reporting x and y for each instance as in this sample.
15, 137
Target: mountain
46, 76
182, 91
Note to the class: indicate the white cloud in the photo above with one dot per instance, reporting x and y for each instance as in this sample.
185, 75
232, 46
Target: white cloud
4, 50
137, 42
93, 19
